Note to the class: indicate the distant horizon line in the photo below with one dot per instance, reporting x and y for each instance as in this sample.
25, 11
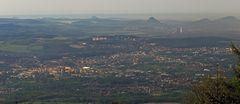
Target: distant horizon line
213, 13
180, 16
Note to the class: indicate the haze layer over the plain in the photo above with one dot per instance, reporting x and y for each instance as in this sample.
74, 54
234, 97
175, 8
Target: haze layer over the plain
33, 7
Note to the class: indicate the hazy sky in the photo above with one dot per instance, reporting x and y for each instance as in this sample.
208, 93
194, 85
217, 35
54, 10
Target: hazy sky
29, 7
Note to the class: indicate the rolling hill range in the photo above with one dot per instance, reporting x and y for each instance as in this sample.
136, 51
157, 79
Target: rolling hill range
51, 27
